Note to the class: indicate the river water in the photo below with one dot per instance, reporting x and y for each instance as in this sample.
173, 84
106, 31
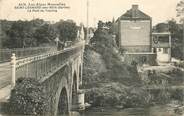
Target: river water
161, 110
151, 111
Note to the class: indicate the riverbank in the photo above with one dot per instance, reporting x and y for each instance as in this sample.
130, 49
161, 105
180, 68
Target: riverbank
109, 82
158, 110
107, 87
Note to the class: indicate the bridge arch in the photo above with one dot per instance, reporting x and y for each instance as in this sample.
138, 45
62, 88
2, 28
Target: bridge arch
63, 107
61, 99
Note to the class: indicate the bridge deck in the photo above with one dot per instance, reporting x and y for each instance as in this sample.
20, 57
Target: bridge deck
5, 74
5, 79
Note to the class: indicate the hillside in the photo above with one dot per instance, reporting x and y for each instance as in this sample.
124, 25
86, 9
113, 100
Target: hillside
109, 81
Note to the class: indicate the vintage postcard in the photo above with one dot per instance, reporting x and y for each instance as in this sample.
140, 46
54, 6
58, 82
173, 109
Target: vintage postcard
92, 57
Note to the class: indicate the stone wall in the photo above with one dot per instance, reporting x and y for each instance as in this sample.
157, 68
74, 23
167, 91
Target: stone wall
54, 85
140, 58
137, 48
62, 79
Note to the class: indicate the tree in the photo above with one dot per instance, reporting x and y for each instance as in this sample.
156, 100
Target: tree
176, 35
17, 34
162, 27
180, 13
177, 38
176, 31
44, 34
67, 30
100, 24
5, 26
20, 34
37, 22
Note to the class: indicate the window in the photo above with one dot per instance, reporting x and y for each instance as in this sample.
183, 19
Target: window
159, 50
165, 50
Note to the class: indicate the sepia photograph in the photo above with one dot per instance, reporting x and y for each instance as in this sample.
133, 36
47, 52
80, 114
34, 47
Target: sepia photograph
91, 57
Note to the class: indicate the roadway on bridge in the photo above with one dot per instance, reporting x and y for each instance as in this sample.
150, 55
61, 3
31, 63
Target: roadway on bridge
5, 74
5, 68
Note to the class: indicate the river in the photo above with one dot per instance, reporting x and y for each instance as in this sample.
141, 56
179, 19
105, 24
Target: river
161, 110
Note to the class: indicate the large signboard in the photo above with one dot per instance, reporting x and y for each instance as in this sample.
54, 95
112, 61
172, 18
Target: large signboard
135, 33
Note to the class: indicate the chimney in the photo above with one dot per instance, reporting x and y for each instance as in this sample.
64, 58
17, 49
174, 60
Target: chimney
134, 10
135, 6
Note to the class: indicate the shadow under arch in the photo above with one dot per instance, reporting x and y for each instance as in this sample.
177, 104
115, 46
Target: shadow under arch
63, 108
80, 74
74, 90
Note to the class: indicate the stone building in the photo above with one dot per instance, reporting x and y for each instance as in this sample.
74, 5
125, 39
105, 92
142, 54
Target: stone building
162, 46
134, 31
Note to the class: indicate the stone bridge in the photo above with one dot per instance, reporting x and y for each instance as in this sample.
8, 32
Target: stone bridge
61, 74
63, 84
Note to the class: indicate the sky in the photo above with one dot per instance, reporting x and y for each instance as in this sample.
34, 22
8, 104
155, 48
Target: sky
105, 10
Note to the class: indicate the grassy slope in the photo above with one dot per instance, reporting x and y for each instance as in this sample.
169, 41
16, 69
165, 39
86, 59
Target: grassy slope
109, 81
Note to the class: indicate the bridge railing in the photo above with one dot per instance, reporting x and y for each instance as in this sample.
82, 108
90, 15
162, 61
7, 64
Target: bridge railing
5, 54
41, 65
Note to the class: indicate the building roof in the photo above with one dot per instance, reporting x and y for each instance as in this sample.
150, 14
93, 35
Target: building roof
134, 14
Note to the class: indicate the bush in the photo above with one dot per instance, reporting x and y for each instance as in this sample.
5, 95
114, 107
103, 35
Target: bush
115, 94
28, 97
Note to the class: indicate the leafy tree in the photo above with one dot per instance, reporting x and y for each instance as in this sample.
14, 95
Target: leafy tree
101, 32
180, 13
176, 35
108, 24
100, 24
161, 27
67, 30
37, 22
20, 34
17, 34
180, 9
44, 34
177, 38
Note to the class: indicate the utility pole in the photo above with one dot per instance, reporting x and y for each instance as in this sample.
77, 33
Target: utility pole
183, 40
87, 25
94, 22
